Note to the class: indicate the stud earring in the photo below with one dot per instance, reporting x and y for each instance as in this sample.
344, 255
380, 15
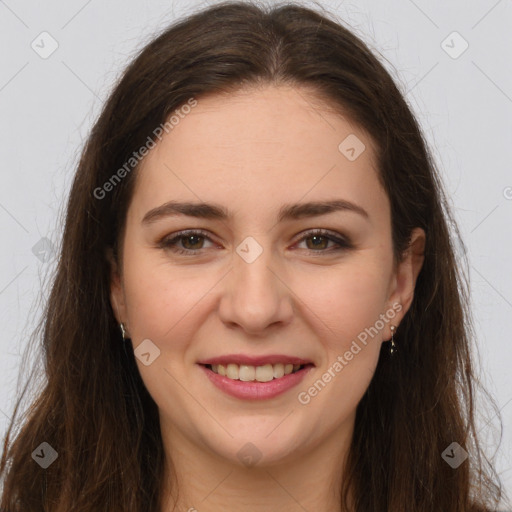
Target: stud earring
392, 349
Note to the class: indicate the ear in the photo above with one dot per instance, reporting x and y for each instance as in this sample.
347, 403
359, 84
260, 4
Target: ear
116, 289
406, 274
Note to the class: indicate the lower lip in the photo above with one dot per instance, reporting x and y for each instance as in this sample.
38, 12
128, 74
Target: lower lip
256, 390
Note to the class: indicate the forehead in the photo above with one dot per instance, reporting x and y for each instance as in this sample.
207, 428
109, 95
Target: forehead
260, 145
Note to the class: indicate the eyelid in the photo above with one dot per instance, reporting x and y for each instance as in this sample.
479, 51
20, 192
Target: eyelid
171, 239
341, 242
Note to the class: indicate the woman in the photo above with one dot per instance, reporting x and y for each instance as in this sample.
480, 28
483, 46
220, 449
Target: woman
257, 304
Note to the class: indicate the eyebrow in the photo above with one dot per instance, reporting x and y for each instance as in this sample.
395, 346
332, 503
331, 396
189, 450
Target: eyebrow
217, 212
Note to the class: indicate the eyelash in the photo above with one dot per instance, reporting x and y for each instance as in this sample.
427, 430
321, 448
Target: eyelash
170, 243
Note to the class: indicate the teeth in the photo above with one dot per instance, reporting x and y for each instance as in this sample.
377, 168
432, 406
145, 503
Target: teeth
248, 373
233, 371
278, 370
264, 373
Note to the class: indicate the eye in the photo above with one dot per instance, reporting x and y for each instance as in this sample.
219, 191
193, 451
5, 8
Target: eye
320, 239
190, 242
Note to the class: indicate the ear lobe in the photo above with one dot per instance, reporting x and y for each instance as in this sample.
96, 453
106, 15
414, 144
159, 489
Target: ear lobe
116, 288
407, 272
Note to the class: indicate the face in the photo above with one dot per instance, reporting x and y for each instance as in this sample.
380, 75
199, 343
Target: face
260, 279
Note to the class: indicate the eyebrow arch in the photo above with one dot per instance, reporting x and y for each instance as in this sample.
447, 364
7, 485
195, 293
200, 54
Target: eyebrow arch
216, 212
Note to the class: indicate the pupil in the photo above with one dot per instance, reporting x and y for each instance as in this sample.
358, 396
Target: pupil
319, 240
191, 237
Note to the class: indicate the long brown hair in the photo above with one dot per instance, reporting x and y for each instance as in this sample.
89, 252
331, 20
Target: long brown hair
94, 409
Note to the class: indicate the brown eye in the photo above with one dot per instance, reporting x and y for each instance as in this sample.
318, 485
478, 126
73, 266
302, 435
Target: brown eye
186, 242
318, 240
191, 240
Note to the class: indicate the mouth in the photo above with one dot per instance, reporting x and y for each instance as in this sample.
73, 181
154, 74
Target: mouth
248, 373
255, 377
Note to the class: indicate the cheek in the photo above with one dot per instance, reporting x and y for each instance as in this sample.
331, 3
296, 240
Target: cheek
154, 299
345, 300
164, 301
349, 308
348, 305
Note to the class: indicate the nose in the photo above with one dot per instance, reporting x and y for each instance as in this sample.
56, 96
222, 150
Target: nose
257, 296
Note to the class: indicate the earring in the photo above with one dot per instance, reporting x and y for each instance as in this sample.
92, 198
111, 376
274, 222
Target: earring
392, 349
123, 330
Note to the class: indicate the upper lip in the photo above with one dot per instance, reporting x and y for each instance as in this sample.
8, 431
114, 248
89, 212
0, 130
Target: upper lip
255, 360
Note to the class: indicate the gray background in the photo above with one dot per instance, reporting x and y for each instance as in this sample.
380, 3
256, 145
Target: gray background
463, 101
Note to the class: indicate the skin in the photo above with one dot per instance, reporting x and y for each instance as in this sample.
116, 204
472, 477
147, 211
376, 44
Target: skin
252, 152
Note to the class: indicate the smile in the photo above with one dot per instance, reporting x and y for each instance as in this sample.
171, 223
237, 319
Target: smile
262, 382
248, 373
